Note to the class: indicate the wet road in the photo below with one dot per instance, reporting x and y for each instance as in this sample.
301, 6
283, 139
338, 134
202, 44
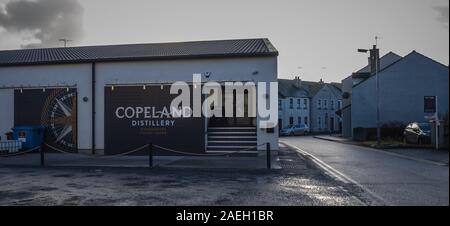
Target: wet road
297, 183
390, 180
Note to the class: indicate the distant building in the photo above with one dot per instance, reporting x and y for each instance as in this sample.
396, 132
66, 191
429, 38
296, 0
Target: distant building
325, 103
354, 79
404, 82
293, 103
298, 103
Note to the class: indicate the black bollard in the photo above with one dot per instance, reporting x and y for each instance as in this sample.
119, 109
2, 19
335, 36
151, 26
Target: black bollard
269, 156
42, 155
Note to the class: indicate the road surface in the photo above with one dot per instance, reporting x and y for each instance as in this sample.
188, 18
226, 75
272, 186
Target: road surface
388, 179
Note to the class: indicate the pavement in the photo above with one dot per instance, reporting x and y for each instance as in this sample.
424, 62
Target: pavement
388, 178
81, 160
296, 182
440, 157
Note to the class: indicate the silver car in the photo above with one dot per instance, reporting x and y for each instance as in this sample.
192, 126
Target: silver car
295, 130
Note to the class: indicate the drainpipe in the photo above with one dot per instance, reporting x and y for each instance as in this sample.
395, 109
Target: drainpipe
93, 108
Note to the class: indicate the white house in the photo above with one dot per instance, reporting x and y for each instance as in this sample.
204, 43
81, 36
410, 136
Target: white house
79, 92
293, 103
325, 103
309, 103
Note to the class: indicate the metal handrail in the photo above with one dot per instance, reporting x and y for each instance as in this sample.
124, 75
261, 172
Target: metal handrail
198, 154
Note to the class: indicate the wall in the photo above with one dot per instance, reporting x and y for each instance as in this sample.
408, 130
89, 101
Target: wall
226, 69
286, 112
55, 75
347, 85
402, 89
6, 112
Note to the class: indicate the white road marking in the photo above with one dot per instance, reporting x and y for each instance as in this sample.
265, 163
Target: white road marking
337, 174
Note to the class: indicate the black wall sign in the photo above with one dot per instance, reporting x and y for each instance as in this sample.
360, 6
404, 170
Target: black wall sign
135, 116
429, 104
56, 109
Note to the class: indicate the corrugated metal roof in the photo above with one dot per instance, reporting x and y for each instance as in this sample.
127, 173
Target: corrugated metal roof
132, 52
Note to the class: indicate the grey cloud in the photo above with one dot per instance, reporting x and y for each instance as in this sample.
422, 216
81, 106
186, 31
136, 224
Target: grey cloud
443, 14
47, 20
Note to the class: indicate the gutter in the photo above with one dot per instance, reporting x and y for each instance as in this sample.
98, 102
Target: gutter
93, 107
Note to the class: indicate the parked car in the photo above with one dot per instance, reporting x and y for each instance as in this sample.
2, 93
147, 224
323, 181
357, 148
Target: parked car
294, 130
417, 133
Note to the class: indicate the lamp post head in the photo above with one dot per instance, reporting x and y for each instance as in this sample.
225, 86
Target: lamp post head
363, 50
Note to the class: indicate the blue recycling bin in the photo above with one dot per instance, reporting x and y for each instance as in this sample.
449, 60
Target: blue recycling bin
31, 136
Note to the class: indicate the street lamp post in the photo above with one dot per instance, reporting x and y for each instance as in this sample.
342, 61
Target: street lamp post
375, 53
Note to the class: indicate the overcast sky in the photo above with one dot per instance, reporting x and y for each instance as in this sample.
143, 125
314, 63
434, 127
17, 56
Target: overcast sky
316, 38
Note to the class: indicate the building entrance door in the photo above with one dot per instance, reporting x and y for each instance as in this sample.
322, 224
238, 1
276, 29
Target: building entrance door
332, 124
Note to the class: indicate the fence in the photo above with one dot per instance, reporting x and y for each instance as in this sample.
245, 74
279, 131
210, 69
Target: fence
150, 150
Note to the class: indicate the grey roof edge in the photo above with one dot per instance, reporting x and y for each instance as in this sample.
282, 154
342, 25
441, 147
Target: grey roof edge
131, 59
313, 87
272, 52
394, 63
270, 46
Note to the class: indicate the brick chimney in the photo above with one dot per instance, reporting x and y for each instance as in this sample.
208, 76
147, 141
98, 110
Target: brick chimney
298, 82
374, 59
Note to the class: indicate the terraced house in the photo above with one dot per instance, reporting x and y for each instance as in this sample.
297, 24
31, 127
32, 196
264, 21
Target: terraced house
315, 104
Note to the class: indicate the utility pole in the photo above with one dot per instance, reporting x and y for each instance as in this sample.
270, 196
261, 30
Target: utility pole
65, 41
375, 53
377, 57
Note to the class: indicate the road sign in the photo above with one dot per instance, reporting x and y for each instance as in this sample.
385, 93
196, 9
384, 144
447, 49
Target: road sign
429, 104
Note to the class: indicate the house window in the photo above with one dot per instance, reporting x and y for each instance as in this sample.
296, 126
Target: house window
306, 120
332, 105
291, 121
305, 103
299, 103
279, 105
319, 123
319, 104
339, 104
291, 103
326, 121
299, 119
324, 104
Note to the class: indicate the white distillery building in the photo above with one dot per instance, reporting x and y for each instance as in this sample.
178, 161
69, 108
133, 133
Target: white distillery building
80, 94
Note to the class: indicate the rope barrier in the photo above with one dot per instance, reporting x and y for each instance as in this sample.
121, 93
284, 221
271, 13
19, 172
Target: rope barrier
198, 154
21, 152
96, 156
150, 146
156, 146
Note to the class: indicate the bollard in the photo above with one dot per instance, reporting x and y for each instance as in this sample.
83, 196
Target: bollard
42, 156
269, 156
150, 155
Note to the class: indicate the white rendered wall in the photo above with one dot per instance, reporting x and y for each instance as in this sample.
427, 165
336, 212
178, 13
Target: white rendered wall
49, 75
226, 69
6, 111
167, 71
